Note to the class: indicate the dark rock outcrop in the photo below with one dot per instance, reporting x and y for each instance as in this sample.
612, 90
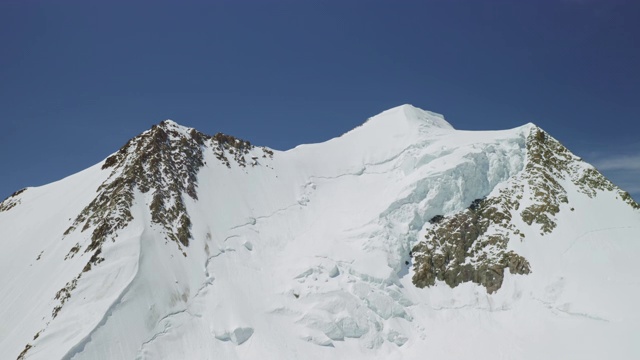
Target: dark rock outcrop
472, 245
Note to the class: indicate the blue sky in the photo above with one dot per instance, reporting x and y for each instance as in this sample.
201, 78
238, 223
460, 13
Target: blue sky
79, 78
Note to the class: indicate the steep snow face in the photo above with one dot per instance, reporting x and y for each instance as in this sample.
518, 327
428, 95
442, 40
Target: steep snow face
307, 253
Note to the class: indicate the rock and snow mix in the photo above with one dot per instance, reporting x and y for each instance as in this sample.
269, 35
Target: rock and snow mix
183, 245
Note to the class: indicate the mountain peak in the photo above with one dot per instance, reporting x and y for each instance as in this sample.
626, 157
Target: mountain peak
414, 114
172, 125
362, 246
391, 131
163, 161
169, 122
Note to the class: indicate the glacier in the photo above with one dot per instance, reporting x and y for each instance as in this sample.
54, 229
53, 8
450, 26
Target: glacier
308, 253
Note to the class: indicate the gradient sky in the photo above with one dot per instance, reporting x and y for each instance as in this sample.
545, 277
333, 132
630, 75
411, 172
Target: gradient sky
79, 78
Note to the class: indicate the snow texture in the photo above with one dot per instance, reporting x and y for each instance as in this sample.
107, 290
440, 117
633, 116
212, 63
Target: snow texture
306, 255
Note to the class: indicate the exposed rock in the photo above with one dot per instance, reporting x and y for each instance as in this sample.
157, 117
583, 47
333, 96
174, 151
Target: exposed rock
24, 352
12, 201
163, 161
547, 161
472, 245
436, 219
64, 294
460, 249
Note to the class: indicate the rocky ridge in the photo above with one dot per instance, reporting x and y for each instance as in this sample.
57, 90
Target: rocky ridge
472, 245
12, 201
339, 289
164, 162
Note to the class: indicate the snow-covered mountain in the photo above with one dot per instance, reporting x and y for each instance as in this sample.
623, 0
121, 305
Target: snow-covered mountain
401, 239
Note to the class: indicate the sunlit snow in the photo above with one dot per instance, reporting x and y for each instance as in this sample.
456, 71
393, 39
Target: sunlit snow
306, 256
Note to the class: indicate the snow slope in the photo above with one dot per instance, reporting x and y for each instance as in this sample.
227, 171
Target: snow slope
307, 254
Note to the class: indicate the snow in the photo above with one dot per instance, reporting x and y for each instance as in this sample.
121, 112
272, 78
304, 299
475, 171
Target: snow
304, 256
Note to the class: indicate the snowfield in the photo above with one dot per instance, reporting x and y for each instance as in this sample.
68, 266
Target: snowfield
306, 255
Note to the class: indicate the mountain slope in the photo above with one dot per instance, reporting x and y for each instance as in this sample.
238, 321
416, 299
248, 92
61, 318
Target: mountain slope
402, 238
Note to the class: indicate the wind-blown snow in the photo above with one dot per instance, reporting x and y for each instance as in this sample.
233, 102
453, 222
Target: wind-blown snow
306, 255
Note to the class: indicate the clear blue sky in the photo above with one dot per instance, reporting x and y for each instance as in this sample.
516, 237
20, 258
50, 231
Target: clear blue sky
79, 78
